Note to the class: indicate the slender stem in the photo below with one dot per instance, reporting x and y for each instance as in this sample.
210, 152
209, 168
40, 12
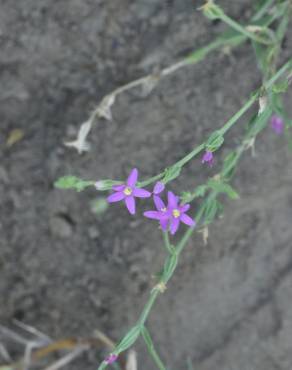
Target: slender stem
263, 10
147, 308
227, 126
151, 349
167, 244
233, 39
157, 359
278, 74
240, 113
151, 180
238, 27
180, 246
201, 53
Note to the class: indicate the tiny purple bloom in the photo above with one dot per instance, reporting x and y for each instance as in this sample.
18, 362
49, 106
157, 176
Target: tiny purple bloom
127, 192
172, 215
158, 188
277, 124
110, 359
160, 214
208, 158
177, 213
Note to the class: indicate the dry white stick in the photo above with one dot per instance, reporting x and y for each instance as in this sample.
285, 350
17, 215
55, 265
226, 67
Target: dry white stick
104, 339
68, 358
29, 344
28, 351
5, 332
4, 353
34, 331
132, 361
103, 110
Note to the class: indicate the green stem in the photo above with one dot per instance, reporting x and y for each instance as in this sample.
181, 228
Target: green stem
151, 349
170, 249
240, 113
227, 39
261, 12
147, 308
227, 126
286, 67
238, 27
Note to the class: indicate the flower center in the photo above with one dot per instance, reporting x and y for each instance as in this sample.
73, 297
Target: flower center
163, 209
128, 191
176, 213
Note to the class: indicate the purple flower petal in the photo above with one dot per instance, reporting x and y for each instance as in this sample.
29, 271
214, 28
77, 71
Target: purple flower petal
187, 220
131, 205
174, 224
119, 187
141, 193
158, 188
164, 224
208, 158
172, 200
277, 124
133, 177
155, 215
184, 208
111, 358
159, 204
116, 197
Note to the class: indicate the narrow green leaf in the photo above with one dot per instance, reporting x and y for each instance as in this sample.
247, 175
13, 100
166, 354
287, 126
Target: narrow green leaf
200, 191
169, 267
151, 348
147, 338
171, 173
212, 11
229, 164
215, 141
129, 339
72, 182
280, 87
103, 185
210, 210
222, 187
258, 122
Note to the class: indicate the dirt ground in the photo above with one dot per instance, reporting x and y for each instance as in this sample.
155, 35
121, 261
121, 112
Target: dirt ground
66, 271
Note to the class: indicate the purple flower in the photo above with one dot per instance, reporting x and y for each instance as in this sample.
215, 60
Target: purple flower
277, 124
110, 359
208, 158
170, 216
161, 213
128, 192
176, 213
158, 188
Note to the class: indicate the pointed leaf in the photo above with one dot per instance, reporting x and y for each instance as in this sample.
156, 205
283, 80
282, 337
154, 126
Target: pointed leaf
72, 182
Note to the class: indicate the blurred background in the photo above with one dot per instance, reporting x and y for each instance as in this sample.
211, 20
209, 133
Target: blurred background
67, 268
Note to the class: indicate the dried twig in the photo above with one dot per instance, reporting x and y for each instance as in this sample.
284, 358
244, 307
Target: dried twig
32, 330
4, 353
8, 333
68, 358
103, 110
132, 360
41, 346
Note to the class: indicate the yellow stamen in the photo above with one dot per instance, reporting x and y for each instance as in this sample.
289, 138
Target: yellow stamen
176, 213
128, 191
